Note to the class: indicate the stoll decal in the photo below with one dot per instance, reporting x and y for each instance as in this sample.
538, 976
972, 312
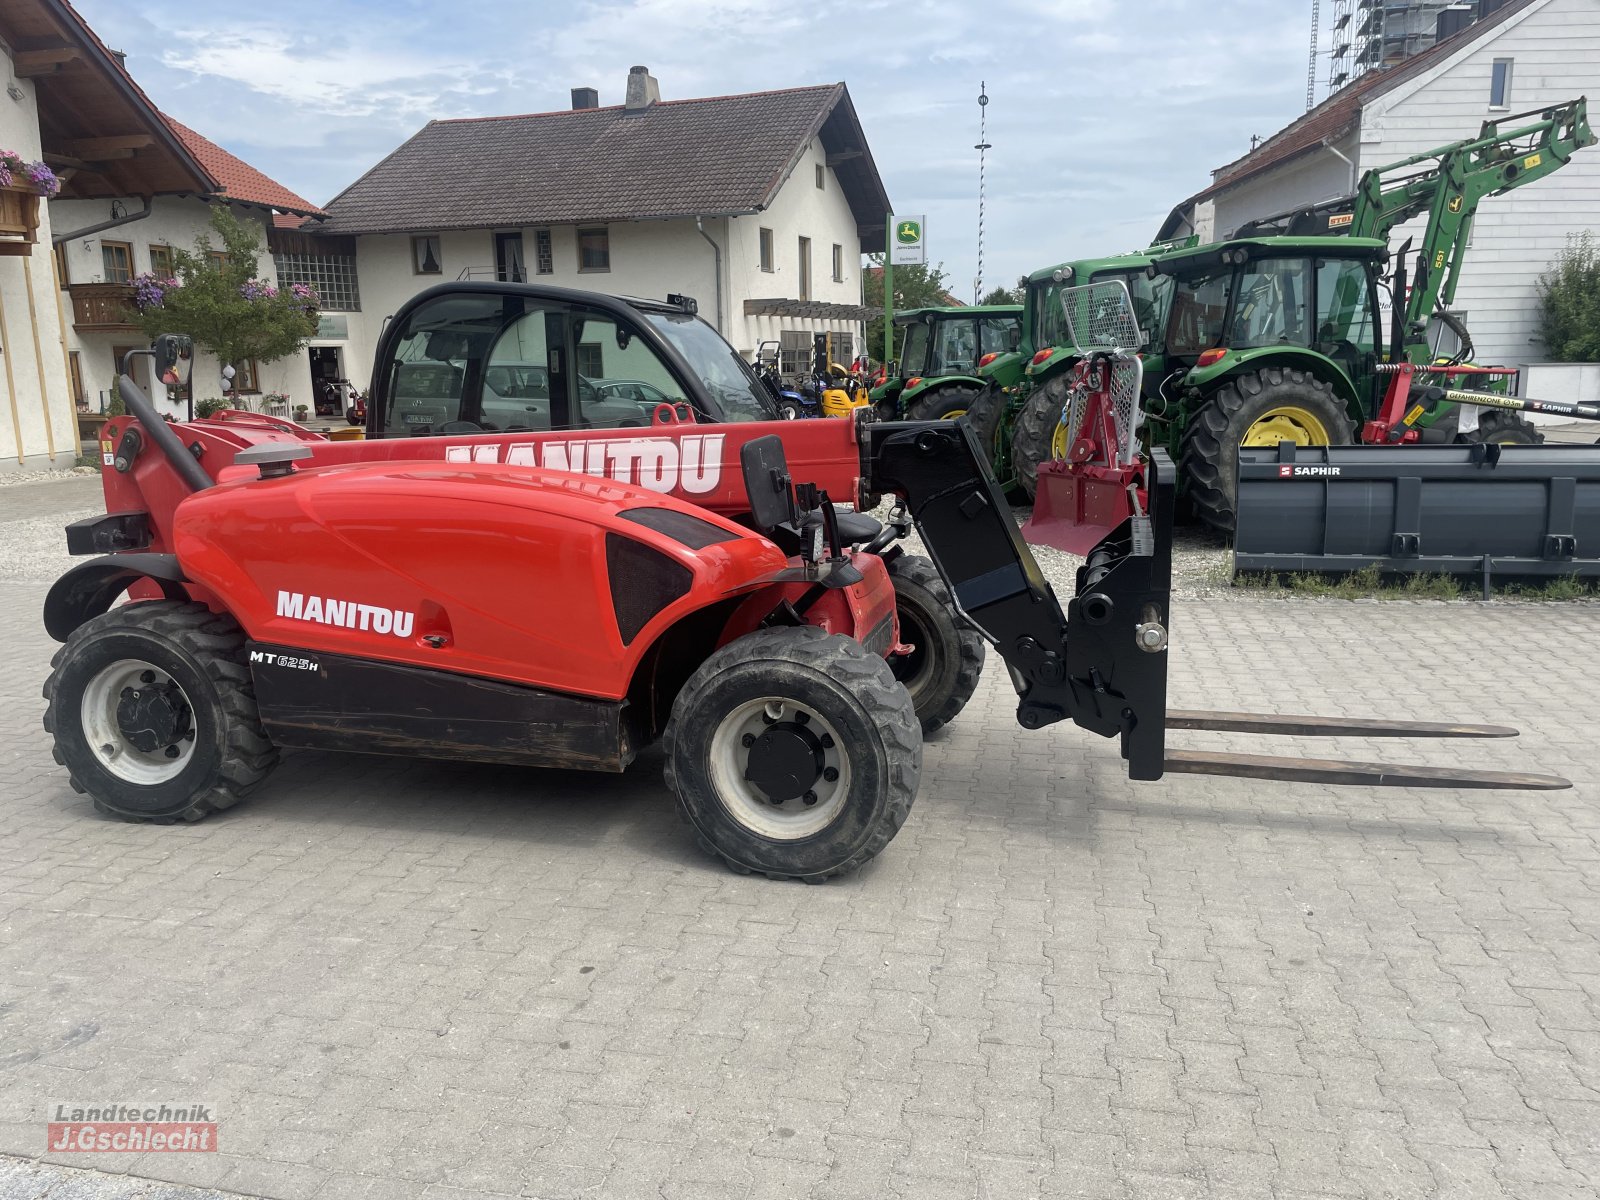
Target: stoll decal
1290, 471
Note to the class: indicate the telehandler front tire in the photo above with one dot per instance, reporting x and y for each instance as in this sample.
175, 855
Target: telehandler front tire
153, 713
943, 671
794, 753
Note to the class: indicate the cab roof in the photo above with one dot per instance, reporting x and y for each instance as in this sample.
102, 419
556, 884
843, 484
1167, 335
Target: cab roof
1264, 247
968, 311
1084, 268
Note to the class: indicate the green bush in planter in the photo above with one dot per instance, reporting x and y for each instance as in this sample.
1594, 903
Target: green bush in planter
1569, 302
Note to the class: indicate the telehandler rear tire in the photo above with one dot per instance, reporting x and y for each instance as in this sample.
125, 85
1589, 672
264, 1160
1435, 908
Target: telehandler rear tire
1037, 423
944, 403
154, 715
943, 671
794, 753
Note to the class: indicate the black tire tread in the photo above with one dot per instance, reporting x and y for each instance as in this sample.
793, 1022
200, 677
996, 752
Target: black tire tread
215, 641
932, 404
1036, 423
1201, 461
973, 649
873, 685
1493, 423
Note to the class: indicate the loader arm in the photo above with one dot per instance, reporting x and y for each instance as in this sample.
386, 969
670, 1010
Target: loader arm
1103, 663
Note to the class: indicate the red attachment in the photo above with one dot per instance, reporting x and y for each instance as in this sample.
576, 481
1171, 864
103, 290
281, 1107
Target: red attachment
1214, 355
1079, 500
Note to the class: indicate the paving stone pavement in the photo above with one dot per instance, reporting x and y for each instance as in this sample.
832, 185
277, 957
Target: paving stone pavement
401, 979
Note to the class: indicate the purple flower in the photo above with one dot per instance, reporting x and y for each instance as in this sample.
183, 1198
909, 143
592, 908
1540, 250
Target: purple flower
150, 291
254, 289
44, 179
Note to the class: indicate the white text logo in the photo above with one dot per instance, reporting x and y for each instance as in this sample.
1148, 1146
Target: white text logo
323, 610
692, 464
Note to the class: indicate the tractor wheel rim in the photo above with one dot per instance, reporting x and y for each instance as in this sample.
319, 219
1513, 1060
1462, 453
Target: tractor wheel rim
138, 723
796, 751
1058, 443
953, 414
1286, 423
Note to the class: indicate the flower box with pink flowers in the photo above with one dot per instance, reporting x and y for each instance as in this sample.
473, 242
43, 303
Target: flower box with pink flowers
22, 185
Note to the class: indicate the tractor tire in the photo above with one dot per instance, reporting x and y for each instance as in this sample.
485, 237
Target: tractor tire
944, 403
1504, 429
943, 671
985, 416
794, 706
1209, 462
154, 715
1036, 428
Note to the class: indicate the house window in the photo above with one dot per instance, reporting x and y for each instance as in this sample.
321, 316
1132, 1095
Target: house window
116, 259
794, 351
822, 175
838, 263
332, 275
805, 269
161, 261
594, 249
75, 377
591, 360
508, 262
766, 250
246, 377
61, 264
219, 260
1500, 83
544, 257
425, 255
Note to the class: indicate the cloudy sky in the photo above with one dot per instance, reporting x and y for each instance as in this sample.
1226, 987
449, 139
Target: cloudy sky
1093, 141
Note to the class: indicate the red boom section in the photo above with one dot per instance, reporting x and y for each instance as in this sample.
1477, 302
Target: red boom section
697, 463
487, 570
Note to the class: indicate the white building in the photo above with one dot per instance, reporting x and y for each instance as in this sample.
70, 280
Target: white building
759, 206
1523, 55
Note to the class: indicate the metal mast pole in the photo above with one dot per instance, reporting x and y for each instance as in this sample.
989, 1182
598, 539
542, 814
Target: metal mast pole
1311, 69
983, 149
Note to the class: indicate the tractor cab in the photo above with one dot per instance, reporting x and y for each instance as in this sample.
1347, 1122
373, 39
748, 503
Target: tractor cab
942, 351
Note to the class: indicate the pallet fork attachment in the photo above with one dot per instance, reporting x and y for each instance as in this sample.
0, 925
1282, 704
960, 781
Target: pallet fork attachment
1104, 664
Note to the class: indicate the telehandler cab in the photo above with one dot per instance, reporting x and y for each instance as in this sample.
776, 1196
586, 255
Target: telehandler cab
564, 596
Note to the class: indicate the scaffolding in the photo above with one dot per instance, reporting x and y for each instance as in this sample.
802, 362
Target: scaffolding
1367, 34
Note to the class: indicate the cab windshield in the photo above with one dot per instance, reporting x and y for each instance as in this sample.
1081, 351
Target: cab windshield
738, 394
1052, 328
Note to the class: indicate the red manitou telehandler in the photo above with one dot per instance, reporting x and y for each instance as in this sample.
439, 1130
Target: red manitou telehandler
516, 567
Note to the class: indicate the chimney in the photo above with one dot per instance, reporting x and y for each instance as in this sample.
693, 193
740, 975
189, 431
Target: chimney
1452, 21
643, 90
585, 98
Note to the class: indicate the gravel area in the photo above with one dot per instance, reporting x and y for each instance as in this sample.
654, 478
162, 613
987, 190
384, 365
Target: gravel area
32, 544
27, 478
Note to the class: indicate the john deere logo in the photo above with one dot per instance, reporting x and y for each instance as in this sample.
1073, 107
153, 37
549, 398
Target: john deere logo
1455, 204
908, 233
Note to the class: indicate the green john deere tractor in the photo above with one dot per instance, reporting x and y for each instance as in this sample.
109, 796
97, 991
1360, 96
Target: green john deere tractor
941, 352
1019, 411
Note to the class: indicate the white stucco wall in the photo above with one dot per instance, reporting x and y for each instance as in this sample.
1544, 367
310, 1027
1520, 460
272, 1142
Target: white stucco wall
38, 427
648, 259
1556, 51
1315, 176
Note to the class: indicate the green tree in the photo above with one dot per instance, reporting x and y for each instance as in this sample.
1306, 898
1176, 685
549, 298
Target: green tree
219, 302
914, 287
1569, 302
1003, 295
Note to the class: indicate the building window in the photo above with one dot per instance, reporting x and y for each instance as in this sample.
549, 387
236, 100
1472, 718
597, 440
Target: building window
544, 256
766, 250
161, 261
219, 260
333, 275
822, 175
794, 351
838, 263
116, 259
75, 377
591, 360
1500, 83
805, 269
61, 264
246, 377
508, 262
594, 249
425, 255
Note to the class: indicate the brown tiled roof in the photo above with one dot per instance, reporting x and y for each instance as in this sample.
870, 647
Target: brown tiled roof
723, 155
1341, 112
237, 179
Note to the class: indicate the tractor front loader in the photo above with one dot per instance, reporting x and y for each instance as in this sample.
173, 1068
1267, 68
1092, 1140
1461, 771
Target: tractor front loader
462, 597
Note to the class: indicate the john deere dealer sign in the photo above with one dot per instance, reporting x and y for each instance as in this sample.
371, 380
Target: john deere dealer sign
907, 242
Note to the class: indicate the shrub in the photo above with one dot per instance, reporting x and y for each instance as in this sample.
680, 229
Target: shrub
209, 407
1569, 302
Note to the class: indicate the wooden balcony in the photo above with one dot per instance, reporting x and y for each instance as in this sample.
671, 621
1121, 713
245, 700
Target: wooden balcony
101, 306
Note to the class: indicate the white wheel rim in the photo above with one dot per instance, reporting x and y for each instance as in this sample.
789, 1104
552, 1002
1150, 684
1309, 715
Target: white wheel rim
794, 818
103, 731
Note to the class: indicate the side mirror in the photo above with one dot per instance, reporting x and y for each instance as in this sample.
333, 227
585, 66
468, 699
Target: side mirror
174, 355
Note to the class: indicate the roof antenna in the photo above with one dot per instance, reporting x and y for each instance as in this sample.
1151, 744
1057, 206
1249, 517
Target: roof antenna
983, 149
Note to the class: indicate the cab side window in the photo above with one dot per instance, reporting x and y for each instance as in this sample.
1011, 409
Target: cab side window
515, 392
620, 379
